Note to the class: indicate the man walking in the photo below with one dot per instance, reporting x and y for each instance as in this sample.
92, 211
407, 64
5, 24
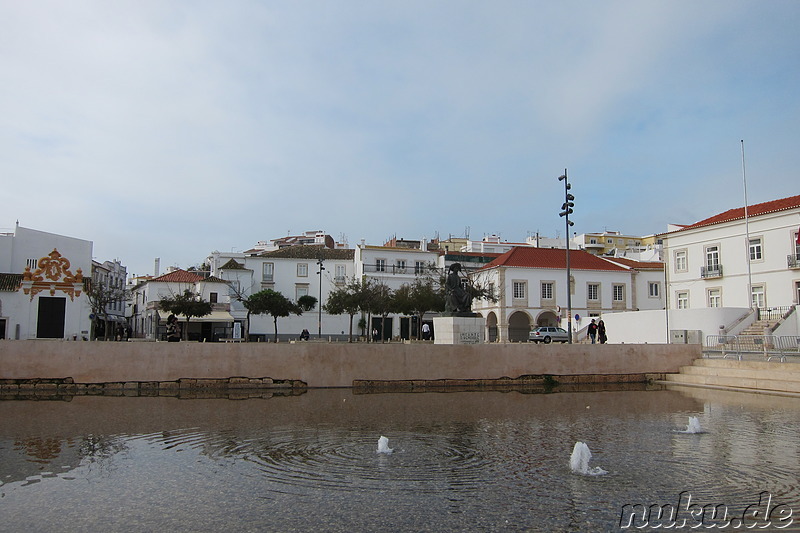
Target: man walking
592, 331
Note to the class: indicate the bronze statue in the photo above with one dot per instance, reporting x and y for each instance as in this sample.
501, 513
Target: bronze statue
458, 301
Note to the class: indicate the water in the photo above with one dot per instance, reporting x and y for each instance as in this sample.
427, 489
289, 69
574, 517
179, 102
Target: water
470, 461
579, 461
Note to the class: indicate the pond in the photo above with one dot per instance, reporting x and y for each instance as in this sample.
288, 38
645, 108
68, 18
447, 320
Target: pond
460, 461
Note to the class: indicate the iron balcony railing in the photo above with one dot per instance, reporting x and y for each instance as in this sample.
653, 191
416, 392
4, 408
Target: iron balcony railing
793, 261
772, 313
713, 271
395, 269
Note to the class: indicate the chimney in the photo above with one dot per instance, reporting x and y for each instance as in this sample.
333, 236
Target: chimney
156, 271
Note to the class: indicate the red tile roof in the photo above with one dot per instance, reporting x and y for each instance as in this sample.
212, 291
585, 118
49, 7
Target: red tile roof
638, 265
179, 276
737, 213
552, 258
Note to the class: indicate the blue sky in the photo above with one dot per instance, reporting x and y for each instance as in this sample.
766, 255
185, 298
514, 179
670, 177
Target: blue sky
170, 129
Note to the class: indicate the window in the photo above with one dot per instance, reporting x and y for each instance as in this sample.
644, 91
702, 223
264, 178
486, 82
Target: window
712, 258
213, 297
302, 270
759, 297
756, 253
267, 270
340, 274
715, 297
401, 265
593, 291
301, 289
380, 265
681, 264
519, 290
547, 290
683, 300
31, 263
419, 267
490, 291
618, 292
654, 289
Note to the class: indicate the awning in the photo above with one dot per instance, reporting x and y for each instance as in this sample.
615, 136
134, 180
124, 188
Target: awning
215, 316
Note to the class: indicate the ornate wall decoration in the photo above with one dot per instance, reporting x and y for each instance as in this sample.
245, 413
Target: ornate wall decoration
52, 275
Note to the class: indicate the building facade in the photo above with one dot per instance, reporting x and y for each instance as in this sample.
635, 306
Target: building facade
733, 260
42, 285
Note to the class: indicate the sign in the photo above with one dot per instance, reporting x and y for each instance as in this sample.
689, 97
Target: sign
470, 337
577, 317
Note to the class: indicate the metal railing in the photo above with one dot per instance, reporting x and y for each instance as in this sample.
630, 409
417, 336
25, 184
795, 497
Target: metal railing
713, 271
739, 346
772, 313
793, 261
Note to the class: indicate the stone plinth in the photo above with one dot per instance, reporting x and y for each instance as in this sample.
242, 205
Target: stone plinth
458, 330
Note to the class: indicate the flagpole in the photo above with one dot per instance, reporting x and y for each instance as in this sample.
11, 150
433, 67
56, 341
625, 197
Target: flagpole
747, 234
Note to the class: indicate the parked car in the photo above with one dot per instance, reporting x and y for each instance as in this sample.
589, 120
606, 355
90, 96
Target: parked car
548, 334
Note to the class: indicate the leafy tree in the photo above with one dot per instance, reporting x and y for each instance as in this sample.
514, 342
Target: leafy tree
100, 296
347, 300
380, 302
187, 304
273, 303
307, 302
419, 298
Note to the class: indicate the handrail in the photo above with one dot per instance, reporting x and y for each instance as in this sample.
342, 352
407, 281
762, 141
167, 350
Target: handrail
739, 345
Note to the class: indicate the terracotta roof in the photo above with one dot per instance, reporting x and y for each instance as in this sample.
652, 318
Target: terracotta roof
552, 258
232, 264
311, 251
773, 206
10, 282
179, 276
638, 265
214, 279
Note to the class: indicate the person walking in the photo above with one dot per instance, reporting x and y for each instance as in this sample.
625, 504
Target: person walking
601, 332
591, 331
426, 332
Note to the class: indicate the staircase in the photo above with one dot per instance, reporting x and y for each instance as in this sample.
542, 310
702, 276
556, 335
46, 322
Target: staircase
748, 376
757, 328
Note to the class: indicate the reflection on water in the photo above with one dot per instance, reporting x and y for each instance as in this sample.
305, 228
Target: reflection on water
472, 461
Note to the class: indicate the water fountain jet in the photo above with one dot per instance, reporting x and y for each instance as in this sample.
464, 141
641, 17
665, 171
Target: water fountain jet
579, 461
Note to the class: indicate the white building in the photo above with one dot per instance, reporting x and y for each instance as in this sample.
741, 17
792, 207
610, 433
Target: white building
42, 286
530, 287
729, 261
149, 322
112, 276
394, 267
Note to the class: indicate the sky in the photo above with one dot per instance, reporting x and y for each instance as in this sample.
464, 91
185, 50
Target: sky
169, 129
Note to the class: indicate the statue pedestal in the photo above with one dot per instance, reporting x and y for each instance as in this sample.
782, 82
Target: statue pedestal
458, 330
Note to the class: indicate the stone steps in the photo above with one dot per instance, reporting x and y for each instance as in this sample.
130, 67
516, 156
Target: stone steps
743, 375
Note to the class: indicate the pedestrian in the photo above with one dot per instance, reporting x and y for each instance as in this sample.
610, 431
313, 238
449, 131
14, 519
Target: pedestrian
304, 335
374, 334
426, 332
592, 331
601, 332
173, 329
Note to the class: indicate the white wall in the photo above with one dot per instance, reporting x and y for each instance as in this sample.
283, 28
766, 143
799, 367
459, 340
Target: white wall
651, 326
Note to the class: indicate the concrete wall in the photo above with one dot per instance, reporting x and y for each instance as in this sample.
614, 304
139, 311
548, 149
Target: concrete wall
328, 365
651, 327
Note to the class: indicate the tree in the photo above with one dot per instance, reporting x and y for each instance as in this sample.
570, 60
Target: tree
273, 303
418, 298
380, 302
307, 302
187, 304
345, 300
100, 296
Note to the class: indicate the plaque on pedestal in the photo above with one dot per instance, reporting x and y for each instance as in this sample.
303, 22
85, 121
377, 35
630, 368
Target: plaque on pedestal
459, 330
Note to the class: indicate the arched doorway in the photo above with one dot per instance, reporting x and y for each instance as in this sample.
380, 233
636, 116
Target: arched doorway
519, 325
548, 318
491, 327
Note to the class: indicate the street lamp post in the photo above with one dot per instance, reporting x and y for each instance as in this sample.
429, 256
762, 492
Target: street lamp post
566, 210
319, 303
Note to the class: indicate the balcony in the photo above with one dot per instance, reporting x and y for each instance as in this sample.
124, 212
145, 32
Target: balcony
793, 261
391, 269
713, 271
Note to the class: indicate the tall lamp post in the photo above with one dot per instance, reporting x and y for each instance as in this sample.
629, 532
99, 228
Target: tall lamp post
319, 303
566, 210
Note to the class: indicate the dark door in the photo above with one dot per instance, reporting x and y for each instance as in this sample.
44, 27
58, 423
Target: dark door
2, 328
50, 323
404, 327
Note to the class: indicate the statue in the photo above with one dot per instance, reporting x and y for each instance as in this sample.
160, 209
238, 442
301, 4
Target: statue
458, 301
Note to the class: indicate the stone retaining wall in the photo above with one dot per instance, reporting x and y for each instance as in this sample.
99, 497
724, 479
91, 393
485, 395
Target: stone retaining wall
231, 366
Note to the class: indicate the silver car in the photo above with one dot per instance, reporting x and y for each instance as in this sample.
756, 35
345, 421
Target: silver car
548, 334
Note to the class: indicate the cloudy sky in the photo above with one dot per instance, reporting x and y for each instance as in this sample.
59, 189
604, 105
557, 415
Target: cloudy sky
173, 128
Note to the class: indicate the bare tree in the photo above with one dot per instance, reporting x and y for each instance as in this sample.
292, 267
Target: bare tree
101, 296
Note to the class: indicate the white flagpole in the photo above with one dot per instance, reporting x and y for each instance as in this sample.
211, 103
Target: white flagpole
747, 235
